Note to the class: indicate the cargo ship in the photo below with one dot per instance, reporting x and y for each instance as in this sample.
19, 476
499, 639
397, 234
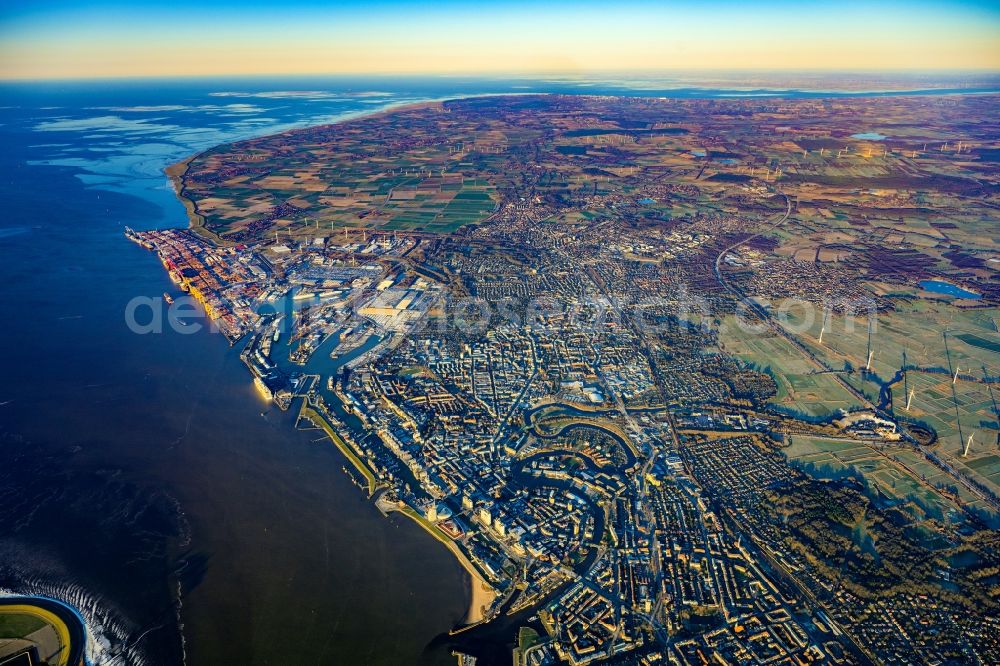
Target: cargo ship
135, 237
263, 388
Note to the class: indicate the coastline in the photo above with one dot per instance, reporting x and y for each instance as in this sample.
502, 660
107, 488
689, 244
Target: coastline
176, 171
196, 222
311, 415
241, 476
481, 593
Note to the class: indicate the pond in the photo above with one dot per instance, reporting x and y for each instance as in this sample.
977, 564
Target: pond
948, 289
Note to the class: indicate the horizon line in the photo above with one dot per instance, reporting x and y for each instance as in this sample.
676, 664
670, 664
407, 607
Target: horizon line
516, 74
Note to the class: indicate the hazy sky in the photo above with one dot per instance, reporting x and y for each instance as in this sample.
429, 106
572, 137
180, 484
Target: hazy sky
53, 39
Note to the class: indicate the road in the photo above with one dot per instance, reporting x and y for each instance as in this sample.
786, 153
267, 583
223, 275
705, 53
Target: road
766, 316
822, 366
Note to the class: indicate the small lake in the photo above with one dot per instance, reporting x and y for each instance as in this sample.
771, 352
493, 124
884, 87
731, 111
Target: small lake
870, 136
948, 289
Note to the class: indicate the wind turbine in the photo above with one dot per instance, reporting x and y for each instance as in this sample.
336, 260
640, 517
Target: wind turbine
871, 350
968, 443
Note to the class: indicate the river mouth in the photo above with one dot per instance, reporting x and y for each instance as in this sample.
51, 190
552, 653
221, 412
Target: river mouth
198, 504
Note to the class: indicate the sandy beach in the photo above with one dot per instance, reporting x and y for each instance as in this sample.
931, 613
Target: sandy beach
481, 593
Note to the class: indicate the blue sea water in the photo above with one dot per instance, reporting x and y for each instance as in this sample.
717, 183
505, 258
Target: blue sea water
147, 464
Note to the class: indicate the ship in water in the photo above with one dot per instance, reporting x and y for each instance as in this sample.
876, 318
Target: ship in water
176, 278
263, 388
168, 298
137, 238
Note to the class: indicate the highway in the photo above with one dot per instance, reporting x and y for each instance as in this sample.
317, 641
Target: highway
818, 363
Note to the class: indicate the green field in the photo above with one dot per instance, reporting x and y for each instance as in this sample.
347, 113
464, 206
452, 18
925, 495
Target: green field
914, 329
341, 179
896, 477
799, 387
935, 476
18, 625
935, 399
979, 342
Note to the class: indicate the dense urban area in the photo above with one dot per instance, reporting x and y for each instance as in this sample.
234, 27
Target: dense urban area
677, 381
